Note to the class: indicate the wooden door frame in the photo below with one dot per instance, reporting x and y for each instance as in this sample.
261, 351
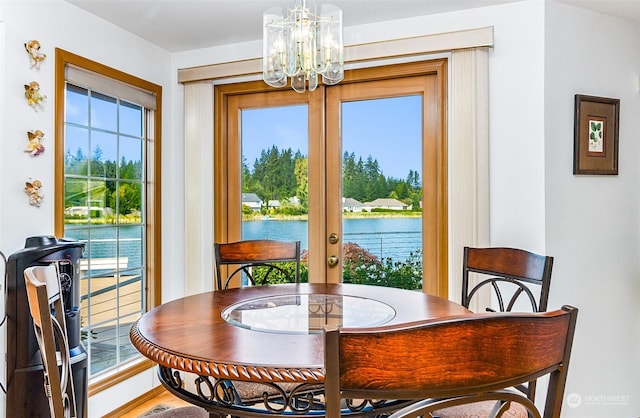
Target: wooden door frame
433, 77
435, 281
227, 187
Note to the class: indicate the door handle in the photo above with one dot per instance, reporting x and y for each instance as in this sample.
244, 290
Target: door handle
332, 261
333, 238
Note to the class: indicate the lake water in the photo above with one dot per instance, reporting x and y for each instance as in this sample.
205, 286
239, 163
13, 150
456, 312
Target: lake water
383, 237
110, 242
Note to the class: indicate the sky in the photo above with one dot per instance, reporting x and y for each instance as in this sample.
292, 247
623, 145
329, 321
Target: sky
106, 118
387, 129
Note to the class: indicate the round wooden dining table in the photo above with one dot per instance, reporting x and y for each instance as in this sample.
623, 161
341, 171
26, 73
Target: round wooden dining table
266, 335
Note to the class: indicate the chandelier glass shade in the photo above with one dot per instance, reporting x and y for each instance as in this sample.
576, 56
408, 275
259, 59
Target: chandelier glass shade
302, 45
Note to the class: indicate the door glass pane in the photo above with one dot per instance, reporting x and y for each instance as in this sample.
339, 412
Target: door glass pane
381, 191
275, 175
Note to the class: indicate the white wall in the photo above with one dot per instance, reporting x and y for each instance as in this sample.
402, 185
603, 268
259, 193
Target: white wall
593, 222
57, 24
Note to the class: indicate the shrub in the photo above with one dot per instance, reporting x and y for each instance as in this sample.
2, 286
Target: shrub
361, 267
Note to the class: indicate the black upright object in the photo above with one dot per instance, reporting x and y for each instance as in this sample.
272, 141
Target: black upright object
25, 391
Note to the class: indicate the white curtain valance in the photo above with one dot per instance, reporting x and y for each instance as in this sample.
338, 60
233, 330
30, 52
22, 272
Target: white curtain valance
84, 78
426, 44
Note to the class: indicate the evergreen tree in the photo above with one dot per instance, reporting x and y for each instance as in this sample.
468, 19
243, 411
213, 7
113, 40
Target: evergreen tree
247, 180
402, 190
274, 175
413, 180
302, 180
282, 174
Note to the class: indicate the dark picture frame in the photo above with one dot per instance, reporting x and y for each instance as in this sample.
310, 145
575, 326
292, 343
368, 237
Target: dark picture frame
595, 148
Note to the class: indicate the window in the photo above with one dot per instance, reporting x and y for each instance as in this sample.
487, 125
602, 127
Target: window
107, 182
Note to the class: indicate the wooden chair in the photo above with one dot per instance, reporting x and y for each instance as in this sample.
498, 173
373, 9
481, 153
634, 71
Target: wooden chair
43, 290
43, 293
512, 275
256, 253
508, 269
441, 363
249, 255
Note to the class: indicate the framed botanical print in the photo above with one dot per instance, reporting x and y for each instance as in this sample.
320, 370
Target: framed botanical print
595, 149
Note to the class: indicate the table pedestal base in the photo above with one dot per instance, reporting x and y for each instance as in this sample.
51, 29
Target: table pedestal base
222, 400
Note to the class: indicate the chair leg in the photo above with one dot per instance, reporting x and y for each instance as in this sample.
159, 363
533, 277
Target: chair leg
531, 391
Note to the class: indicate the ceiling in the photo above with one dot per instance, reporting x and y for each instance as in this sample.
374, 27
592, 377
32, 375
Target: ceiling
182, 25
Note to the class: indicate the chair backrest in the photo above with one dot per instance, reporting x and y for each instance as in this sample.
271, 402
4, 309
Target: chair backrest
511, 273
43, 291
255, 253
451, 361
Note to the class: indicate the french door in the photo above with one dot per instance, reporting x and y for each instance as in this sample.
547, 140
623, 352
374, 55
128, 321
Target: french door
263, 135
297, 118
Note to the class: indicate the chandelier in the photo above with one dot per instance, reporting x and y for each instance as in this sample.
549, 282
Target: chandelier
302, 45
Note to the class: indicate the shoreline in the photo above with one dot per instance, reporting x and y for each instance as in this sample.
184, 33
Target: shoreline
346, 215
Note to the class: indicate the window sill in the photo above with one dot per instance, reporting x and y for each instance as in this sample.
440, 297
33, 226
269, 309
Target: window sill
107, 380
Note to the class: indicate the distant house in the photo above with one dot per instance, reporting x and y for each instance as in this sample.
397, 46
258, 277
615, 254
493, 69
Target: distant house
252, 200
392, 204
84, 211
273, 204
351, 205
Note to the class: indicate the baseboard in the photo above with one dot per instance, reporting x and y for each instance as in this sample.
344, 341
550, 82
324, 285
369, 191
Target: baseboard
134, 403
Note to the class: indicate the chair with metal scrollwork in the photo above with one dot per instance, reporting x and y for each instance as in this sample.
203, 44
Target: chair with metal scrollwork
523, 276
263, 262
508, 270
432, 366
252, 255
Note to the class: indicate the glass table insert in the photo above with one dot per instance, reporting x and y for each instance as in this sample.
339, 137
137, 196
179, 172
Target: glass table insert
307, 313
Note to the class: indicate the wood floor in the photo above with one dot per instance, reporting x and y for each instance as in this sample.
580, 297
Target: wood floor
164, 398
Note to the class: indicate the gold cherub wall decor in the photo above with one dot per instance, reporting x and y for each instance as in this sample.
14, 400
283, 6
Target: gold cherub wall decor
33, 49
33, 95
32, 189
35, 147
